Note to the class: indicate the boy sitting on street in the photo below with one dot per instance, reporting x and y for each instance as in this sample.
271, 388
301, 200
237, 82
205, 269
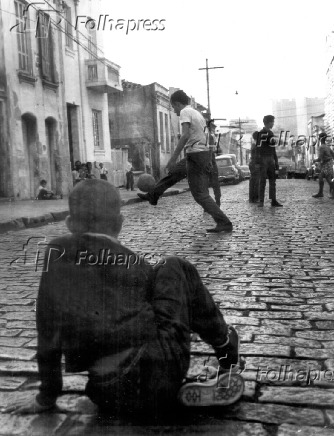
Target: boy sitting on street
43, 193
124, 321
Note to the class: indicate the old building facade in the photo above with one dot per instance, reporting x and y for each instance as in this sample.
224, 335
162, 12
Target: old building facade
54, 82
142, 120
329, 101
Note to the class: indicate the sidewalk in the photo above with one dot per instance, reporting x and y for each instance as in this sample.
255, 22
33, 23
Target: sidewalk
17, 215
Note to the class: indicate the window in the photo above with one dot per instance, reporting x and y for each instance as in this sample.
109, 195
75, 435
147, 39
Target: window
92, 72
23, 40
68, 28
167, 134
92, 43
97, 129
45, 46
161, 125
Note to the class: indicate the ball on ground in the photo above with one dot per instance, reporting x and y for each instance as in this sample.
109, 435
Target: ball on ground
145, 182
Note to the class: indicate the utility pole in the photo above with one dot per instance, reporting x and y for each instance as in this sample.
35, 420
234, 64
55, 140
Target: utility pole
240, 140
207, 68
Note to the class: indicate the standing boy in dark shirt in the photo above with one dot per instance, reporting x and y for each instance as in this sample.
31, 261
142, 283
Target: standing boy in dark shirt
266, 160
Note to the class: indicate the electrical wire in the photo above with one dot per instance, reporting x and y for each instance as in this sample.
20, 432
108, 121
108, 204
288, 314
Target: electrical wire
56, 25
74, 27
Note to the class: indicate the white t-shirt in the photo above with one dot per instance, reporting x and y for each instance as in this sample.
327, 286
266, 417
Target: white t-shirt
197, 139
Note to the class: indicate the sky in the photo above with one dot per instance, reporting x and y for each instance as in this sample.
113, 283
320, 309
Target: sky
269, 49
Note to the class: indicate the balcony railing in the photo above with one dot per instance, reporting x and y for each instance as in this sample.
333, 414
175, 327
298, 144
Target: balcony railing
102, 75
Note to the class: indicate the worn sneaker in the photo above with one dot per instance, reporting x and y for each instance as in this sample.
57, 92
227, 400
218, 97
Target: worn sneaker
221, 228
318, 195
228, 354
224, 390
276, 204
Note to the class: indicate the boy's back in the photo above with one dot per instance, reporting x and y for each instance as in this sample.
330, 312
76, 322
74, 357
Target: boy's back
89, 305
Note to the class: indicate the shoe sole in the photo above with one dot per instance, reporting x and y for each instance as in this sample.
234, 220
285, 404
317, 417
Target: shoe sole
228, 390
227, 229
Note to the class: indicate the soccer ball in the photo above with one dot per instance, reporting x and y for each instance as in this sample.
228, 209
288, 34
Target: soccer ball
145, 182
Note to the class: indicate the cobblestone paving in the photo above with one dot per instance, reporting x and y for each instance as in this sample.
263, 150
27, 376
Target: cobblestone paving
272, 278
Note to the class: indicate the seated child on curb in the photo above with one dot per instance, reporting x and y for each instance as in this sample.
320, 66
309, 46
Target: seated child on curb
116, 316
43, 193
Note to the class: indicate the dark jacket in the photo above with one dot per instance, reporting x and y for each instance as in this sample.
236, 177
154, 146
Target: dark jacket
93, 302
265, 146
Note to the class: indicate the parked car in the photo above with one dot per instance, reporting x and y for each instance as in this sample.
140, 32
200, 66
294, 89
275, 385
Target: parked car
298, 173
227, 172
236, 164
245, 171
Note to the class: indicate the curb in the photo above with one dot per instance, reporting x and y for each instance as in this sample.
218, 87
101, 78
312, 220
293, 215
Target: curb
42, 220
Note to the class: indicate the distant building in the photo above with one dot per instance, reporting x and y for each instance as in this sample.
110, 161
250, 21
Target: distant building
142, 119
293, 115
329, 101
316, 125
54, 82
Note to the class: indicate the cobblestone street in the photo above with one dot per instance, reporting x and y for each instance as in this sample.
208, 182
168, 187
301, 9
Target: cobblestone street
272, 278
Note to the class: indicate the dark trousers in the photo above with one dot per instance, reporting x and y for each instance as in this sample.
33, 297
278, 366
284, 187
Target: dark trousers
151, 382
129, 180
213, 179
199, 165
178, 174
267, 169
254, 183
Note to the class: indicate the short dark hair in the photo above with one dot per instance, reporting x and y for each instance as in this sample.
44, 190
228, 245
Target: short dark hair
323, 137
95, 204
268, 119
180, 97
43, 182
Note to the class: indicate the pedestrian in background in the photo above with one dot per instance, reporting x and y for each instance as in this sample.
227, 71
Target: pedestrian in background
213, 175
90, 173
266, 161
325, 158
43, 193
103, 172
254, 181
83, 171
129, 177
75, 176
96, 171
147, 163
